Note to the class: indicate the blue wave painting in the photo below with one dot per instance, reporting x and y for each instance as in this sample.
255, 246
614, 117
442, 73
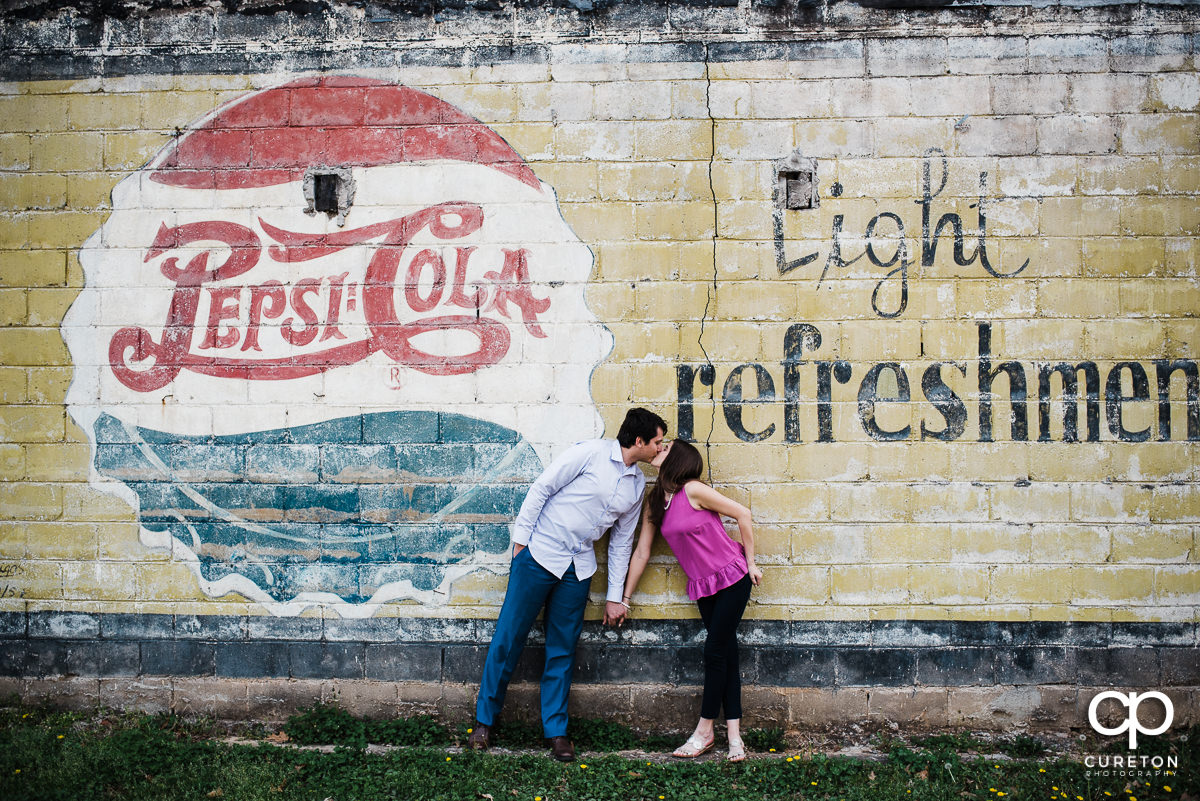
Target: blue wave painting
346, 506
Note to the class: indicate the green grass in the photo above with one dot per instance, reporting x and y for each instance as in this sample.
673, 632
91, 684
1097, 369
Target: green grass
48, 755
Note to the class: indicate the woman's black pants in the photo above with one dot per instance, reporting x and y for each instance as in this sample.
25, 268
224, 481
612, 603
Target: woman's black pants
721, 612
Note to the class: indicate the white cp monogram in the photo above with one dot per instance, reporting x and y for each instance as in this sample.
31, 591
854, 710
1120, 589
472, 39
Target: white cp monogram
1132, 723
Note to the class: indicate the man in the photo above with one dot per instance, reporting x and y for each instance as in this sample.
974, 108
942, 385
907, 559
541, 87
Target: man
593, 486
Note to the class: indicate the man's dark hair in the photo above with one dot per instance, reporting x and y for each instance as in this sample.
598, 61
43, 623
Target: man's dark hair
641, 423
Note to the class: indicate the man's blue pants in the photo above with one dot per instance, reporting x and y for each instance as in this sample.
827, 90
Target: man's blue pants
532, 588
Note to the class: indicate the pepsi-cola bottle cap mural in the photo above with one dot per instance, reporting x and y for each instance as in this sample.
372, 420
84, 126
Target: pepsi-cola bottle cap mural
328, 337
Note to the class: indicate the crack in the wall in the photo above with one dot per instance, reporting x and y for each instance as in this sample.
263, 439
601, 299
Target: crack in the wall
712, 290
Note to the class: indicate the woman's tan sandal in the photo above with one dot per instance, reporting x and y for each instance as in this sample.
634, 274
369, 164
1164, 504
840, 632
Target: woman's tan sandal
737, 751
694, 747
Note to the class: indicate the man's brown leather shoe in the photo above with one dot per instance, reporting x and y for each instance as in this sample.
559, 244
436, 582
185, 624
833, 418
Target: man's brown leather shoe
562, 749
480, 738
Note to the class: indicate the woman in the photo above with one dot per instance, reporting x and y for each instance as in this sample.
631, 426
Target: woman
720, 571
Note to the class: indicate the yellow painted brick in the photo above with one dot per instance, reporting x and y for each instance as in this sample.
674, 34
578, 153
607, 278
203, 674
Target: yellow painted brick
902, 136
661, 300
906, 543
104, 112
57, 462
1108, 584
745, 220
32, 268
32, 113
13, 385
830, 461
732, 342
630, 261
989, 298
82, 502
91, 190
1175, 503
36, 580
16, 151
49, 384
738, 260
13, 307
31, 502
63, 540
130, 150
13, 541
995, 613
14, 233
1083, 297
487, 102
787, 503
875, 502
1118, 503
12, 462
801, 585
1065, 543
1159, 133
927, 461
1181, 174
1182, 256
1169, 298
772, 544
988, 543
1123, 257
1161, 216
1124, 339
949, 584
653, 386
177, 108
870, 584
47, 307
1142, 544
890, 340
21, 192
1032, 503
1048, 258
121, 542
32, 346
594, 141
749, 462
959, 502
482, 587
678, 221
171, 580
829, 544
612, 384
655, 181
1039, 339
745, 180
533, 140
1032, 584
1120, 175
100, 581
1153, 461
636, 341
62, 229
32, 424
573, 182
1177, 585
606, 222
756, 300
672, 140
68, 152
1079, 216
1080, 461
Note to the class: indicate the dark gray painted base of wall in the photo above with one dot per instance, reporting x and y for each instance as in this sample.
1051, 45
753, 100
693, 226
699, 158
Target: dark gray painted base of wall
817, 654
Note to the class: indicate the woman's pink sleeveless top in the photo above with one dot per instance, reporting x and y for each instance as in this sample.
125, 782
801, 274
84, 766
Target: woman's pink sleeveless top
709, 556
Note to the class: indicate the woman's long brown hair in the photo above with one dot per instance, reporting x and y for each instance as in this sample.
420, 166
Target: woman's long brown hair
683, 464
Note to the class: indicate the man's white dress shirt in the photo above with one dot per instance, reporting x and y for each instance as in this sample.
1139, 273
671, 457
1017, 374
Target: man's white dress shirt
584, 492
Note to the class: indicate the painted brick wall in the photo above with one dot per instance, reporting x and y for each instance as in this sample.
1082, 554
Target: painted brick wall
1004, 199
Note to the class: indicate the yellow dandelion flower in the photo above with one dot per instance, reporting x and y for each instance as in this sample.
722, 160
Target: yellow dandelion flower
1165, 787
772, 750
1001, 794
447, 759
61, 736
814, 784
1041, 770
583, 767
470, 730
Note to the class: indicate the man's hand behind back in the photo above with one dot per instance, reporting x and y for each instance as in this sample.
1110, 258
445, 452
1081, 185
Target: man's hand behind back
615, 614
